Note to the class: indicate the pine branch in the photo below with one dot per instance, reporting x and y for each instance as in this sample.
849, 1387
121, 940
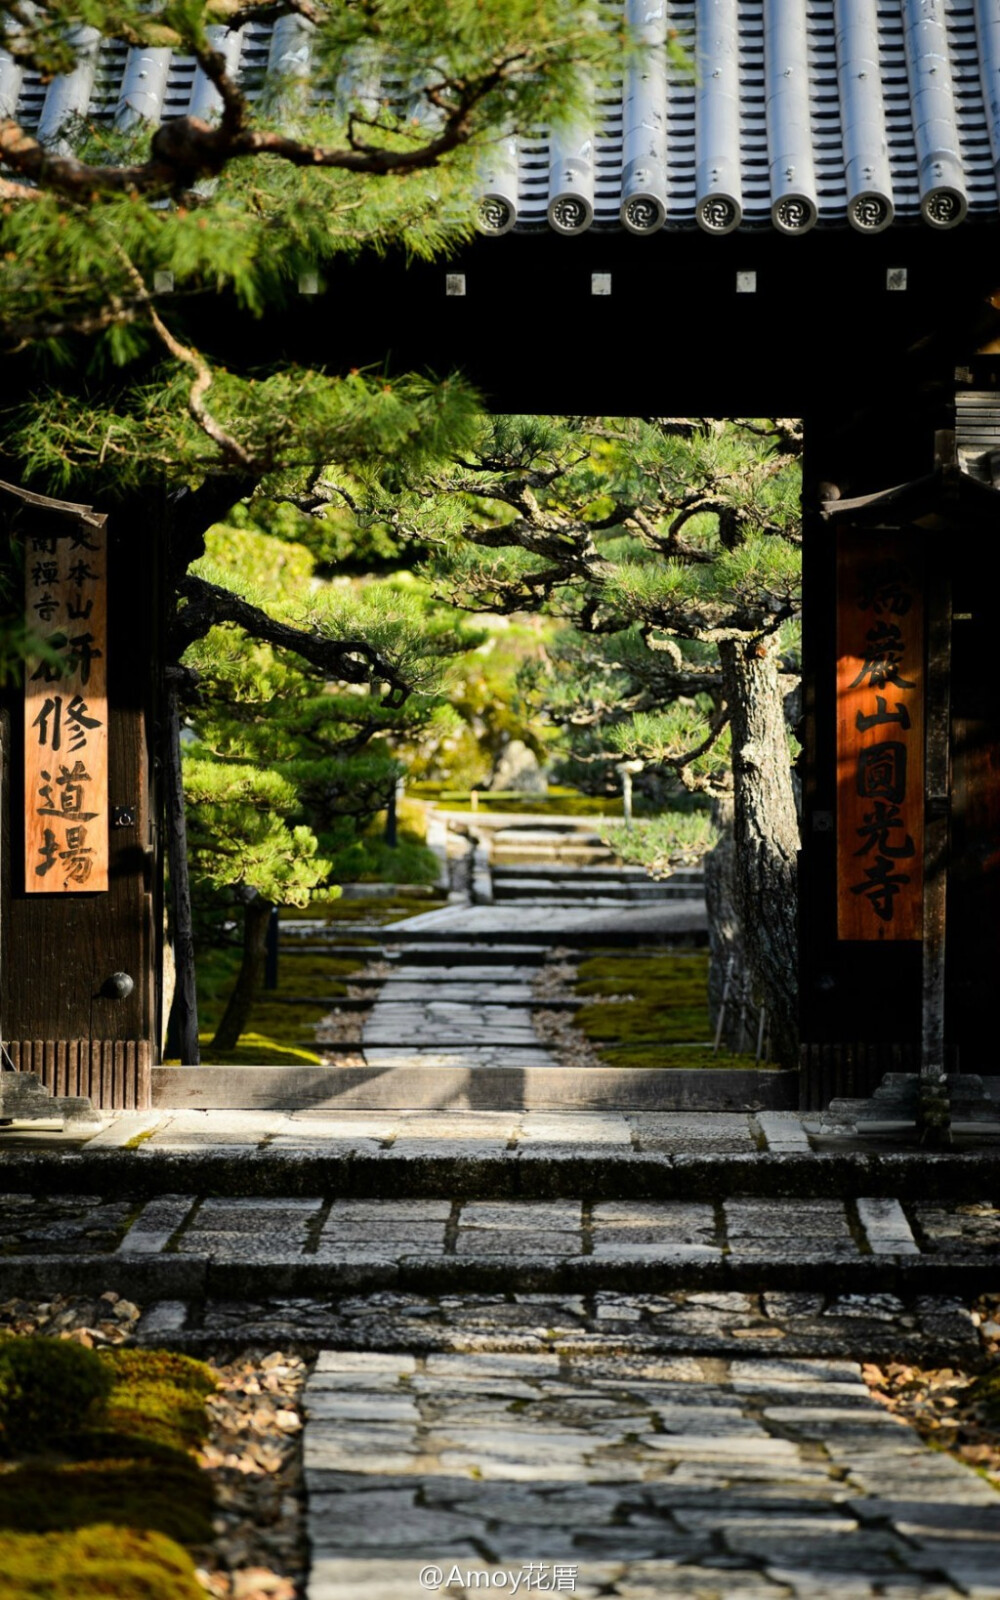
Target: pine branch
349, 660
233, 452
187, 148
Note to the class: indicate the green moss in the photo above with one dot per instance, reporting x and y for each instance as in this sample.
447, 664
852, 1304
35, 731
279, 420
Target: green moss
691, 1057
257, 1050
985, 1393
46, 1388
173, 1498
676, 967
138, 1139
278, 1030
368, 908
554, 805
102, 1508
644, 1021
660, 1017
112, 1563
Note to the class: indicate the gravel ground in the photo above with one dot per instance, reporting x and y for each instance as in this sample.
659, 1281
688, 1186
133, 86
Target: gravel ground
558, 1029
946, 1405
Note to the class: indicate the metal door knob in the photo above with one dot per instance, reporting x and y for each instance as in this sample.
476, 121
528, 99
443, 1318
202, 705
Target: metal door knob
118, 987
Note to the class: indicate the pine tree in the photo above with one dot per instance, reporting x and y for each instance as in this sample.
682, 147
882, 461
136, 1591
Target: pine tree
284, 765
670, 548
107, 237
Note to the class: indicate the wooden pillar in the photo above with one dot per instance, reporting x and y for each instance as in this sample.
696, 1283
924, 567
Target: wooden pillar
861, 998
933, 1111
78, 1001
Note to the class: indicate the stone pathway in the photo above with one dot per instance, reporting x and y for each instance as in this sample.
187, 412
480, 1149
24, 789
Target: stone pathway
603, 1474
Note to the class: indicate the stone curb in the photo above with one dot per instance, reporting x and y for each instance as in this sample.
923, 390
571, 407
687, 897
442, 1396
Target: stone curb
843, 1343
590, 1172
189, 1276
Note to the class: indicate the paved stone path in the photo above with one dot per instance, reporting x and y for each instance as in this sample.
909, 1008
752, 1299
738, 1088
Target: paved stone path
604, 1474
185, 1245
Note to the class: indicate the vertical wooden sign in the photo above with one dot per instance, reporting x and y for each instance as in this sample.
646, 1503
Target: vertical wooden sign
66, 711
880, 736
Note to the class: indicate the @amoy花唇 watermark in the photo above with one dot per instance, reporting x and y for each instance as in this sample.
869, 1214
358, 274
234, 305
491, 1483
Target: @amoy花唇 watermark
553, 1577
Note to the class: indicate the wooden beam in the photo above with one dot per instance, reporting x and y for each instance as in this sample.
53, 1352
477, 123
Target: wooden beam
934, 1119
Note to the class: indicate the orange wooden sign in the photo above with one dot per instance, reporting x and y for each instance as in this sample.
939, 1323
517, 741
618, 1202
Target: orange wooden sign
66, 712
880, 736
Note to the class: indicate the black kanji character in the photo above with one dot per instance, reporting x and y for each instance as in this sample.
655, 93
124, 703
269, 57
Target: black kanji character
49, 720
881, 887
48, 853
79, 722
882, 820
884, 658
80, 573
46, 607
887, 587
880, 715
881, 772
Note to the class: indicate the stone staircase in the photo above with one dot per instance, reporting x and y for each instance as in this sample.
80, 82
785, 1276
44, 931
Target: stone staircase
566, 863
598, 886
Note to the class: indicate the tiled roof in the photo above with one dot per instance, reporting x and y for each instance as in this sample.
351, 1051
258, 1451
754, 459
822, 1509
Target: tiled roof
790, 113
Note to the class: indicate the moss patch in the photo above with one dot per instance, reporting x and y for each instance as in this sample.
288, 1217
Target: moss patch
692, 1057
102, 1504
650, 1009
111, 1562
278, 1027
375, 909
985, 1395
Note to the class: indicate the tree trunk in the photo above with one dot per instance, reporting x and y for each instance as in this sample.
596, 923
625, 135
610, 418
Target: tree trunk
766, 836
725, 931
256, 915
185, 1006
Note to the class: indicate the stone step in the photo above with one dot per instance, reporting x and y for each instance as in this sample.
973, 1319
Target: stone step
254, 1263
598, 875
581, 855
332, 1145
506, 1339
474, 973
429, 948
565, 892
435, 989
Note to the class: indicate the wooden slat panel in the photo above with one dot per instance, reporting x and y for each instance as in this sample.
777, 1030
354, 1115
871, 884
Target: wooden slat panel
880, 736
66, 711
144, 1081
118, 1089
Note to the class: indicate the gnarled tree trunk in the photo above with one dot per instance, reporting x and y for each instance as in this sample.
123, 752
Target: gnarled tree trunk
256, 914
766, 836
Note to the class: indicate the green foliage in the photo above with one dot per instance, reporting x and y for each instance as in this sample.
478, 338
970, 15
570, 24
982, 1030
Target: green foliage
370, 859
663, 843
46, 1389
653, 540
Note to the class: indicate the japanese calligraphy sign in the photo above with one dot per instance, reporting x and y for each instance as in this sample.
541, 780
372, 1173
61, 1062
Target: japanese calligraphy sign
66, 711
880, 736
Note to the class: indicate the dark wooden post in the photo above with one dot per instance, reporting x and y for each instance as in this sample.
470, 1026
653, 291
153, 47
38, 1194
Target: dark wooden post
77, 969
933, 1114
